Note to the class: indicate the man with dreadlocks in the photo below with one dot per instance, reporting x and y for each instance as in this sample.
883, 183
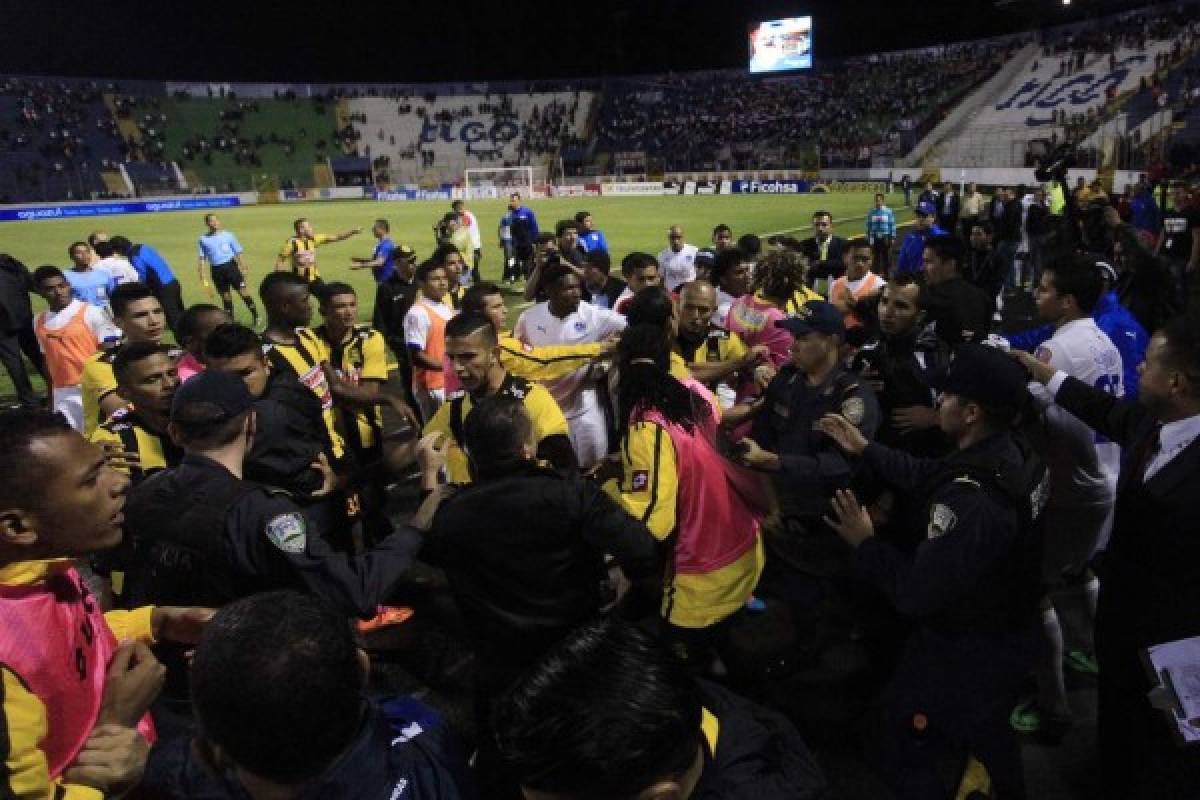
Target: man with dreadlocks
675, 481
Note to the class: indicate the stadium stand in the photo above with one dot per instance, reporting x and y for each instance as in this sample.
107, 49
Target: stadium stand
1122, 88
434, 138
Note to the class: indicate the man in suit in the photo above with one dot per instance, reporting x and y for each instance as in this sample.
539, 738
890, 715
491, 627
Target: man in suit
949, 206
824, 252
1150, 593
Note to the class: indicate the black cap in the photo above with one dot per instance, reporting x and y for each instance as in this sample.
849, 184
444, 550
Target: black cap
210, 397
985, 375
816, 315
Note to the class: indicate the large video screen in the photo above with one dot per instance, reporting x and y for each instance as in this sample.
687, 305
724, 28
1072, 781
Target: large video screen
781, 45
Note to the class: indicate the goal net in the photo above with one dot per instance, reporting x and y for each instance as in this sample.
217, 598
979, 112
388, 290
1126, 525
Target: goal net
502, 181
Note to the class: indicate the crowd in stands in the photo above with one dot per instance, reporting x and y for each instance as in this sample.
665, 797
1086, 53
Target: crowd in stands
850, 112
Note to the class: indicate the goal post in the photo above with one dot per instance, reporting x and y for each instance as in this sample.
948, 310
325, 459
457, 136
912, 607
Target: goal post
480, 183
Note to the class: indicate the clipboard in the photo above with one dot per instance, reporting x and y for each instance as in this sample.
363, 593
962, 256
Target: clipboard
1174, 672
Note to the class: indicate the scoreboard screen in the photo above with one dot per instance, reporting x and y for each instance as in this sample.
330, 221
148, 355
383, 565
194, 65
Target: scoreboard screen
781, 45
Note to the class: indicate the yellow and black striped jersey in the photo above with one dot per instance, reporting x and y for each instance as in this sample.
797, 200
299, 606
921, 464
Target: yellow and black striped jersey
718, 346
97, 381
361, 356
303, 358
301, 251
543, 411
547, 362
127, 429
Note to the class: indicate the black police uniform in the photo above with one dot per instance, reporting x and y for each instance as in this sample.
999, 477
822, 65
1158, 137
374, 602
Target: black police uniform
959, 310
812, 465
901, 369
971, 590
203, 537
290, 434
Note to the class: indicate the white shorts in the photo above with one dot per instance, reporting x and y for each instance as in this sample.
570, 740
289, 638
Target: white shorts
68, 401
429, 401
589, 437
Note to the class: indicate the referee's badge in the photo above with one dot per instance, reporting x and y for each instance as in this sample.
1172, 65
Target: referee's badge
941, 520
288, 532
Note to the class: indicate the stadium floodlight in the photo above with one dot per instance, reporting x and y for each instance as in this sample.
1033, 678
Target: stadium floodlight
498, 182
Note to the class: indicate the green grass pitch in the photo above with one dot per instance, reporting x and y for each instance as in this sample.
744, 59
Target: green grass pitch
630, 223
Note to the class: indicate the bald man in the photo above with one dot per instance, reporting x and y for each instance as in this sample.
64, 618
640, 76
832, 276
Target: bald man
677, 263
713, 354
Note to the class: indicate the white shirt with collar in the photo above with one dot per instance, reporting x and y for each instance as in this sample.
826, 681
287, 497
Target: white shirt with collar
1173, 437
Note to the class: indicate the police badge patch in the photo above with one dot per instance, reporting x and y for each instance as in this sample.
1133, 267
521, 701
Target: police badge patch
941, 520
854, 409
288, 532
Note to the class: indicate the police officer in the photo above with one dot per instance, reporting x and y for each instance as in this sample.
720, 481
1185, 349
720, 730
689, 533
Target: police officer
805, 465
200, 531
899, 364
970, 588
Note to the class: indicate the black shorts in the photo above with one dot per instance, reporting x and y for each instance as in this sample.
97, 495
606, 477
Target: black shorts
227, 276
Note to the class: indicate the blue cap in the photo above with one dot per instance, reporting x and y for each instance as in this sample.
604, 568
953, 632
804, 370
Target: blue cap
986, 375
816, 315
925, 209
210, 397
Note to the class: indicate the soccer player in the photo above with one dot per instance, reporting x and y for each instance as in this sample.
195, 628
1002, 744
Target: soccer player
140, 317
526, 361
297, 348
223, 253
722, 237
639, 271
154, 271
111, 261
565, 319
195, 326
76, 681
425, 336
473, 348
589, 237
382, 262
88, 284
135, 437
69, 332
677, 260
451, 258
1083, 477
299, 252
470, 222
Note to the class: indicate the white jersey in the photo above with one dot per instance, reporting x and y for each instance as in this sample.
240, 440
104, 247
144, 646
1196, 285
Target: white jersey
472, 224
678, 268
119, 268
586, 325
1083, 465
725, 302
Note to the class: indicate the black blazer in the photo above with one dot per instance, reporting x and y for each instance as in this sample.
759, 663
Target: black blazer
833, 266
1149, 590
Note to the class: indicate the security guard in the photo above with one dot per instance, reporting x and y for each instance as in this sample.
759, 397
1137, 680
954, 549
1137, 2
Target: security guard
805, 465
292, 450
713, 354
200, 531
474, 350
135, 437
971, 586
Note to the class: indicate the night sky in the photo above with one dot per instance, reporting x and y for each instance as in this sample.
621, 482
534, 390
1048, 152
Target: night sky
344, 40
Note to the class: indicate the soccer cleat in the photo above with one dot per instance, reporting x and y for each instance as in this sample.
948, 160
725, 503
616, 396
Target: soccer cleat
1030, 719
1083, 663
385, 617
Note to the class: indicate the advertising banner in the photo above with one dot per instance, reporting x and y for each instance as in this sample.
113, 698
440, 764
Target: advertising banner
634, 188
69, 210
